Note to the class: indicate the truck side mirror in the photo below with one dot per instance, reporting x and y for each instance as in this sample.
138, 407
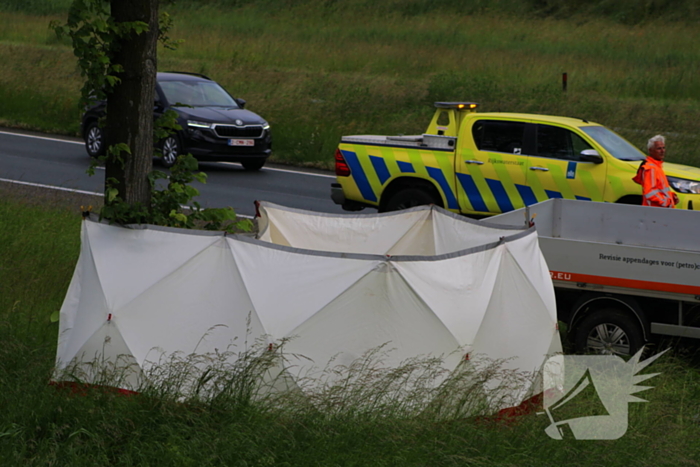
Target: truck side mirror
591, 155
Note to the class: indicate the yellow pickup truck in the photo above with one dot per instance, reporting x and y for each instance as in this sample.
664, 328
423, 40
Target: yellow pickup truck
483, 164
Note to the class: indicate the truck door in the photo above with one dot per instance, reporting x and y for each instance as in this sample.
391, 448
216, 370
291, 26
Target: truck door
558, 170
491, 165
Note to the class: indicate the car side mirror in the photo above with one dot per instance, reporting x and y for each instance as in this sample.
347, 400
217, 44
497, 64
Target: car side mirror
591, 155
240, 102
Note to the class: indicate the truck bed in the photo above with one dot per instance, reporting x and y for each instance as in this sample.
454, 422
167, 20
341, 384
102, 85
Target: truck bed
616, 247
424, 141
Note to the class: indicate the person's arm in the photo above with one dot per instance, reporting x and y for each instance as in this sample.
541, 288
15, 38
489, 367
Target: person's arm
652, 188
674, 196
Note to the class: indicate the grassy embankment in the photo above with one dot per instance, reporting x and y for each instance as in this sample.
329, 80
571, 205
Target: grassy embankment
318, 70
40, 425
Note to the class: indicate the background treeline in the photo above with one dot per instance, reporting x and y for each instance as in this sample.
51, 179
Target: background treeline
629, 12
320, 69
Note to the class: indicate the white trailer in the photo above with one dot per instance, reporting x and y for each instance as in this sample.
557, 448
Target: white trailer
621, 272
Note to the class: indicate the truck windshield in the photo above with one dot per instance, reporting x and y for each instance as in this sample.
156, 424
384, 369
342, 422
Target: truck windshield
615, 144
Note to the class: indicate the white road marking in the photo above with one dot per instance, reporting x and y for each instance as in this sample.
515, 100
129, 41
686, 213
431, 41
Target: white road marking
298, 172
82, 192
272, 169
42, 137
59, 188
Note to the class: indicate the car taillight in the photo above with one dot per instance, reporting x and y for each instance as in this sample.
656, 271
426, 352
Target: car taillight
341, 167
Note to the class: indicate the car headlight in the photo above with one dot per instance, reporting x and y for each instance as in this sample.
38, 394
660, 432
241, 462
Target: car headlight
682, 185
266, 126
196, 124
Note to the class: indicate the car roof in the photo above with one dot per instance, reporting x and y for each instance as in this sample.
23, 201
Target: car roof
569, 121
181, 76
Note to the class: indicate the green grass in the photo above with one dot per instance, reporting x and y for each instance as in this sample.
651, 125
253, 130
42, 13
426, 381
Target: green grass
37, 7
353, 424
361, 68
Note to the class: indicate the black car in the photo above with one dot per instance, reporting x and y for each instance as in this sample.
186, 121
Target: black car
215, 126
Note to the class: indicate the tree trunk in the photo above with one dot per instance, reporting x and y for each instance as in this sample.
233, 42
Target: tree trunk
130, 105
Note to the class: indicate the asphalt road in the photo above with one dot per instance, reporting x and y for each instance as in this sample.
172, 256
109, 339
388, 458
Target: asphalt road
56, 161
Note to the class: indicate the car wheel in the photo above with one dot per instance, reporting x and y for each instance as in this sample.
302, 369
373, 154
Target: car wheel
609, 332
253, 164
94, 140
170, 147
409, 198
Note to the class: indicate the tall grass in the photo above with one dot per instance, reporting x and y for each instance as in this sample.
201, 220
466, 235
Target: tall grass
356, 417
359, 67
36, 7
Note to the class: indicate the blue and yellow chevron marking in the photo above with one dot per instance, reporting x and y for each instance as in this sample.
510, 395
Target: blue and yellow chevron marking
384, 161
358, 174
472, 192
527, 194
439, 177
499, 193
492, 189
406, 167
380, 167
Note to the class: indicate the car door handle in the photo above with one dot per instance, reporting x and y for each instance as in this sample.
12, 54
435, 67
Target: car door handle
474, 162
543, 169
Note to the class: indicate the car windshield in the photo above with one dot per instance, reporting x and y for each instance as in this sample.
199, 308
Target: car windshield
196, 94
615, 144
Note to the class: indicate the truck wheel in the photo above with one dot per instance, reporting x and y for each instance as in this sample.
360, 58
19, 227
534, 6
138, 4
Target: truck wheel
609, 332
409, 198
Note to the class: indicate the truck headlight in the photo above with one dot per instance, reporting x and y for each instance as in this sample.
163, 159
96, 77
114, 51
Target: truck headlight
196, 124
682, 185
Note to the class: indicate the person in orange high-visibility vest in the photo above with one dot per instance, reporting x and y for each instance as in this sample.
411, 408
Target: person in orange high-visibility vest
655, 188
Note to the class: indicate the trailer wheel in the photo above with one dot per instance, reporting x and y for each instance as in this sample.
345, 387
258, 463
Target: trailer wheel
609, 332
409, 198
